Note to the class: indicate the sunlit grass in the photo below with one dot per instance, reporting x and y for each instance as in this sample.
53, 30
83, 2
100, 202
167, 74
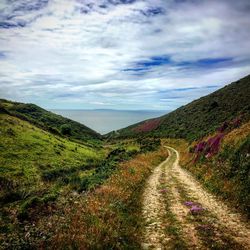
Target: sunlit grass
35, 166
225, 174
110, 217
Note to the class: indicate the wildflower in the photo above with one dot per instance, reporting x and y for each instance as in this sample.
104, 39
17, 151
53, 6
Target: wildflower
164, 190
214, 145
196, 209
188, 203
200, 147
223, 127
209, 155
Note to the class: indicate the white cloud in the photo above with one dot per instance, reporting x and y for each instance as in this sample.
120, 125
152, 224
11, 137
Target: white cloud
88, 53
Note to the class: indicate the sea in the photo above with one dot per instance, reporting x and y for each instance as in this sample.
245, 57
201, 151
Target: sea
105, 121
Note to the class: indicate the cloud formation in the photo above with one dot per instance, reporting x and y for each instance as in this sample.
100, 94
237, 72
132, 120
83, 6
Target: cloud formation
124, 54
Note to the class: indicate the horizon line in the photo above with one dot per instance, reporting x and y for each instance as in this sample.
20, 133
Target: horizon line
156, 110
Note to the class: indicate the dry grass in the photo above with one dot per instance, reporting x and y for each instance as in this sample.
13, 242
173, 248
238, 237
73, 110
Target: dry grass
109, 217
182, 146
236, 135
217, 173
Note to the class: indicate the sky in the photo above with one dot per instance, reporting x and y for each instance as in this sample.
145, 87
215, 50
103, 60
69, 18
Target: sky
121, 54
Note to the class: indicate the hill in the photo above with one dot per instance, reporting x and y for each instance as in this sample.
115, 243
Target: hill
41, 172
197, 118
49, 121
37, 167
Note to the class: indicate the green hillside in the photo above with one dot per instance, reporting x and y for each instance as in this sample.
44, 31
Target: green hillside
37, 168
40, 172
199, 117
49, 121
57, 175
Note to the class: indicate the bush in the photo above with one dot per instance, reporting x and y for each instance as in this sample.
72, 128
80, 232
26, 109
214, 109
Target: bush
66, 129
34, 202
85, 183
31, 202
149, 144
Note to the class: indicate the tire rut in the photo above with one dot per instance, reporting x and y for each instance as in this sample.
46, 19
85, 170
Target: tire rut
153, 211
181, 212
159, 207
231, 222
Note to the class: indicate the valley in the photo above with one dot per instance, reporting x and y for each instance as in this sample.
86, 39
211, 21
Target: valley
180, 181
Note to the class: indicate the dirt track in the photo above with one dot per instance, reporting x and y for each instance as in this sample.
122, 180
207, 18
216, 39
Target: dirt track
180, 214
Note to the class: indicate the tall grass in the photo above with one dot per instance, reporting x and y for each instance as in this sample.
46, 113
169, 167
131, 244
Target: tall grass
35, 168
227, 172
109, 217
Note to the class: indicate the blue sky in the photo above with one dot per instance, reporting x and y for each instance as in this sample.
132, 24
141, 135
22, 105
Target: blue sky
121, 54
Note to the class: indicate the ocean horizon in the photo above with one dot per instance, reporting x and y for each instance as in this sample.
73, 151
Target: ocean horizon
104, 121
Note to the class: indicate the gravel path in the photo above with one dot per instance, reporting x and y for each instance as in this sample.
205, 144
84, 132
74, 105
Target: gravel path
164, 195
153, 211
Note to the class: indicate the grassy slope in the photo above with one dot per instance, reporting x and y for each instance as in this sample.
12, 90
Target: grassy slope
40, 172
49, 121
117, 202
227, 173
36, 166
199, 117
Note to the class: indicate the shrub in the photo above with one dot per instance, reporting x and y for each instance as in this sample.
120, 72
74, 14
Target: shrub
115, 154
31, 202
149, 144
5, 183
240, 160
66, 129
85, 183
